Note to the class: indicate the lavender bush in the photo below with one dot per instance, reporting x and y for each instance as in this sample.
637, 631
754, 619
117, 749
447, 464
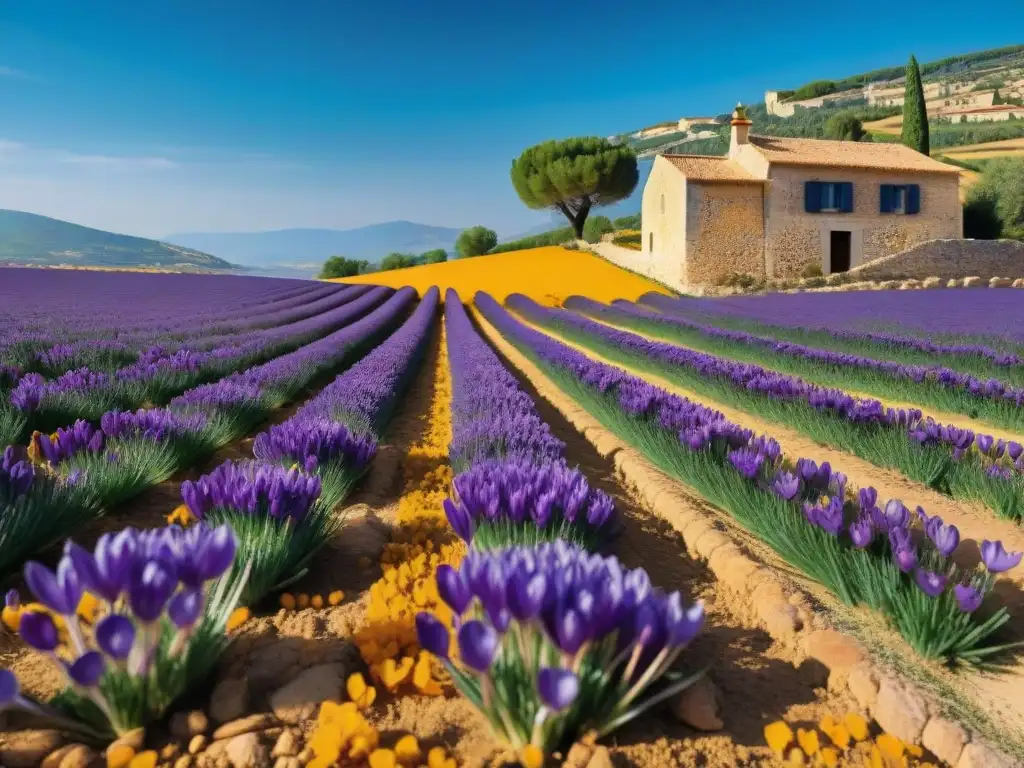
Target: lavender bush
806, 513
513, 484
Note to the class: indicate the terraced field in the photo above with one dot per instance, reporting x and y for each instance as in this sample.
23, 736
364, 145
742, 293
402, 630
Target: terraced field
508, 518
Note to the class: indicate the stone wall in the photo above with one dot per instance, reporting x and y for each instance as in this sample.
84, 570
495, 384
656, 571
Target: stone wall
796, 238
724, 231
635, 261
948, 259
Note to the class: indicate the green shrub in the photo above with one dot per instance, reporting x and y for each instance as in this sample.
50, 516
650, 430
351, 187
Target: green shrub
397, 261
811, 270
554, 237
595, 227
339, 266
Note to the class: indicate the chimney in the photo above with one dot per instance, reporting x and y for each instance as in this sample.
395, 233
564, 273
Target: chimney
740, 128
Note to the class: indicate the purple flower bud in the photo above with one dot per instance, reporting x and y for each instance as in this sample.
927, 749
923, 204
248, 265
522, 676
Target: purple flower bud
868, 498
87, 669
185, 608
149, 594
432, 634
896, 514
9, 687
115, 635
786, 485
459, 520
525, 595
478, 645
558, 688
453, 589
906, 558
984, 443
1015, 450
570, 631
931, 583
945, 537
38, 630
215, 554
997, 559
60, 592
861, 533
967, 597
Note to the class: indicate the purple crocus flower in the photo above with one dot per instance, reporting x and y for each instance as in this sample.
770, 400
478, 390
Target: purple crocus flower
906, 558
185, 608
432, 634
861, 532
984, 443
786, 485
896, 514
453, 589
558, 688
148, 595
61, 591
1015, 450
38, 630
931, 583
945, 537
996, 558
967, 597
115, 635
478, 645
87, 669
459, 519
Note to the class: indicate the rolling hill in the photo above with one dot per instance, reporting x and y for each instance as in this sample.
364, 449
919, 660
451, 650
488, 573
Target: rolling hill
310, 247
33, 240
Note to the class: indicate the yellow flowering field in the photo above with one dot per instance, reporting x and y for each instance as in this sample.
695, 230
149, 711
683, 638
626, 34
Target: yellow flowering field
548, 275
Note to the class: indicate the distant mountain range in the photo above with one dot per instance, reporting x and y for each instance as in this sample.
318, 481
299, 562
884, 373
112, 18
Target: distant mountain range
30, 239
309, 248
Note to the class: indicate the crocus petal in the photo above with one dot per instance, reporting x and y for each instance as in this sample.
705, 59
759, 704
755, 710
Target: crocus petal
87, 669
9, 687
38, 630
115, 635
478, 645
185, 608
558, 688
453, 589
432, 634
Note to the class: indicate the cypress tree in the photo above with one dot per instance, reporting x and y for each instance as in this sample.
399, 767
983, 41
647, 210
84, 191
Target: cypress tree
915, 115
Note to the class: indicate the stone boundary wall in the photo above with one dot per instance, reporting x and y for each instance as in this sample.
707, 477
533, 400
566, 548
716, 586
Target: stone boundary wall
638, 262
948, 259
897, 704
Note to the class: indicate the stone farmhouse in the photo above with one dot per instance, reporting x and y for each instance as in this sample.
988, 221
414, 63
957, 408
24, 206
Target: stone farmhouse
774, 205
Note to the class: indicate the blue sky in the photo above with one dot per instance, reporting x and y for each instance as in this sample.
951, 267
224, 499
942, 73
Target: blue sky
159, 116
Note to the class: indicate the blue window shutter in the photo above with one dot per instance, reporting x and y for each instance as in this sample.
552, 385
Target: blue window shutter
913, 198
846, 197
812, 196
885, 198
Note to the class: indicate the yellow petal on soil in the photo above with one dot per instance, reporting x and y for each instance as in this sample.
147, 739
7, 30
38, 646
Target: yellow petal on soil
382, 758
779, 736
796, 757
355, 686
120, 756
436, 757
237, 618
875, 758
856, 725
914, 751
147, 759
531, 757
839, 735
829, 757
303, 601
288, 601
393, 674
11, 618
890, 746
808, 741
317, 602
336, 597
407, 751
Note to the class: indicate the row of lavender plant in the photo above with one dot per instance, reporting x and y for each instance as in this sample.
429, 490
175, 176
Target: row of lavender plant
980, 359
954, 461
283, 504
940, 387
140, 310
899, 563
513, 484
553, 642
34, 403
96, 468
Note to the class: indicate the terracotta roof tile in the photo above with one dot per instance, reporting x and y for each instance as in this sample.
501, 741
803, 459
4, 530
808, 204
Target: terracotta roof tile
846, 154
711, 168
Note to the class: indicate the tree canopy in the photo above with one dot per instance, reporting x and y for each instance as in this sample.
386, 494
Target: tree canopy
339, 266
844, 126
575, 175
435, 256
915, 115
475, 241
397, 261
998, 195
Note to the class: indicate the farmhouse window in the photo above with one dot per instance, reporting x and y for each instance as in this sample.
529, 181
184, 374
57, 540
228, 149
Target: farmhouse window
650, 241
828, 197
899, 198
